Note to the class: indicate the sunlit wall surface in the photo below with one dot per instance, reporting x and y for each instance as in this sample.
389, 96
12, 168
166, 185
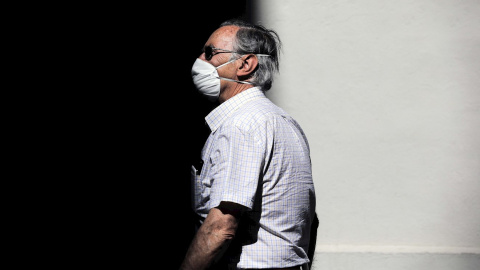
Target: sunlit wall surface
388, 93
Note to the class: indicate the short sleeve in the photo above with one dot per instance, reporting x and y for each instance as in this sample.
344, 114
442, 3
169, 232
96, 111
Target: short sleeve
238, 161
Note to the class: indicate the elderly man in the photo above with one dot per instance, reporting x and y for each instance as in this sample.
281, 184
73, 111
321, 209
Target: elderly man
252, 190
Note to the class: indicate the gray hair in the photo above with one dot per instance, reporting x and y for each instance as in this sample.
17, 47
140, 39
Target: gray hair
256, 39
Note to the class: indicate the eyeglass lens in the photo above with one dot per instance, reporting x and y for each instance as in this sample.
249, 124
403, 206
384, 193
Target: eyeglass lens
208, 52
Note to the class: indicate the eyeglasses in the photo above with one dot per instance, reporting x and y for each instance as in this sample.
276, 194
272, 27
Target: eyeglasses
210, 51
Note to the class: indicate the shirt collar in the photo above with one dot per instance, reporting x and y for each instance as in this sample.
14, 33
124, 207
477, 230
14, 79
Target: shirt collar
216, 117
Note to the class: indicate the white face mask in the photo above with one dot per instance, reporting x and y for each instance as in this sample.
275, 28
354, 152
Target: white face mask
206, 79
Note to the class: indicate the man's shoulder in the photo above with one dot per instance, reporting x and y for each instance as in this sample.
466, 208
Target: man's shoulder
254, 115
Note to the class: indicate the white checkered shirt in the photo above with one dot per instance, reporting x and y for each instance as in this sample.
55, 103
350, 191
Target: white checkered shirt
258, 156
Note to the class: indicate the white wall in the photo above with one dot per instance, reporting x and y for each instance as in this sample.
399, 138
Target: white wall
388, 93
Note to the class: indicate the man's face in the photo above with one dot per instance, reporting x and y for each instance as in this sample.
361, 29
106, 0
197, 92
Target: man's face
222, 39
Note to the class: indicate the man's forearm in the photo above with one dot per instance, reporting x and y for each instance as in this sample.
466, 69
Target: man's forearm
210, 241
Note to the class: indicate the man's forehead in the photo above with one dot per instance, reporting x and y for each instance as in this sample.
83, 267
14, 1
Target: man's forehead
223, 36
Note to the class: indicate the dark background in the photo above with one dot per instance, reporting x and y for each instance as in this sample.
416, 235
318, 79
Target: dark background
136, 126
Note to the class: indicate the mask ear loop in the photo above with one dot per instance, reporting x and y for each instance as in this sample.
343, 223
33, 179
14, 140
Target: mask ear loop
232, 80
233, 60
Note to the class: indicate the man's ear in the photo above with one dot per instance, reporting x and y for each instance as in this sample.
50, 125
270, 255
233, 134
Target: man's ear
248, 65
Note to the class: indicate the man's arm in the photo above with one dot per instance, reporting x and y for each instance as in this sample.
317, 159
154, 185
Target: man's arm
213, 237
